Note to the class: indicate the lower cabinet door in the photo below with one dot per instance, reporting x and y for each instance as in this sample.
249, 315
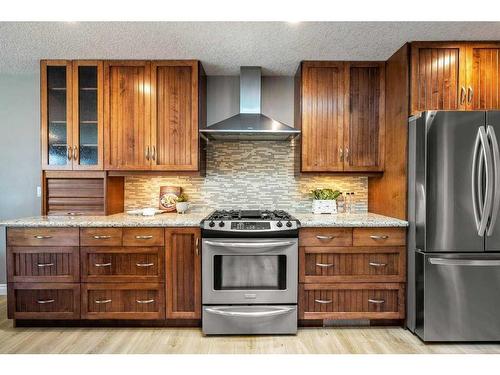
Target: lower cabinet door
123, 301
351, 301
43, 301
122, 264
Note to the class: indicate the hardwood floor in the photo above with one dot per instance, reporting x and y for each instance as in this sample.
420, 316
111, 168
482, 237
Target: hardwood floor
385, 340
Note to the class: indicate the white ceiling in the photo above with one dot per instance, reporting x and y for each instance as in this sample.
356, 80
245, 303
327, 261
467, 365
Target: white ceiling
223, 46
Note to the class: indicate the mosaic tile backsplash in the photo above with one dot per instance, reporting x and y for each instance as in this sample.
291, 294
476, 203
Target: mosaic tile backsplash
246, 175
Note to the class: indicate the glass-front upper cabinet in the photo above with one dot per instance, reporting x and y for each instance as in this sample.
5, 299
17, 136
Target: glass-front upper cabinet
71, 111
87, 114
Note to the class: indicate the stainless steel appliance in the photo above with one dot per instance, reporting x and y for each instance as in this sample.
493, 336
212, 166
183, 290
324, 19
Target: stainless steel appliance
249, 272
250, 123
454, 234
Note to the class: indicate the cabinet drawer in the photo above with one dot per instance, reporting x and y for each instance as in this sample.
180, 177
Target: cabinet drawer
43, 264
325, 237
112, 264
123, 301
351, 301
143, 237
100, 237
42, 237
379, 236
43, 301
355, 264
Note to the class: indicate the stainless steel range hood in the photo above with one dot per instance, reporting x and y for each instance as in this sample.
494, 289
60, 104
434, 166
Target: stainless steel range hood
250, 123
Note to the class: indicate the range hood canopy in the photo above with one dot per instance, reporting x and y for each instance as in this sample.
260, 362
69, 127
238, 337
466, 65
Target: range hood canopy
250, 123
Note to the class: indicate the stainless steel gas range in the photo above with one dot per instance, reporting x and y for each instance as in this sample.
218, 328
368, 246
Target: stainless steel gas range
249, 272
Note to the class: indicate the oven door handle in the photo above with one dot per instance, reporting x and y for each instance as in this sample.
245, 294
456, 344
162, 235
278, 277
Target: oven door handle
250, 245
253, 314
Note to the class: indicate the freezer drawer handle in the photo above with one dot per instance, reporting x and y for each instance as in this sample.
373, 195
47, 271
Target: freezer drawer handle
465, 262
250, 314
376, 301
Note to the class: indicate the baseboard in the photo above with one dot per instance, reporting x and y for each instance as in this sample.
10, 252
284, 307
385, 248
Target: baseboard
3, 289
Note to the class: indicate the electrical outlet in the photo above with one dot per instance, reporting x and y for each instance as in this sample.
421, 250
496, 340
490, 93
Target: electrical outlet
38, 191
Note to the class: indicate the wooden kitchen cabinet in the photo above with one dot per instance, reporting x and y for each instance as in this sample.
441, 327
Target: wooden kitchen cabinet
71, 114
364, 124
483, 76
183, 273
127, 115
341, 112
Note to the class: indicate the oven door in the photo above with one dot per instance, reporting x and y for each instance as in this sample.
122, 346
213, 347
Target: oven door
250, 271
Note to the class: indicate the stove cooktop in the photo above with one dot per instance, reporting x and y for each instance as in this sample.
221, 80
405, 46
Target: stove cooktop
250, 223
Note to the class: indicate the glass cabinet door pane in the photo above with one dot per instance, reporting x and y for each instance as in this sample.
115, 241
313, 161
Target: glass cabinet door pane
87, 114
57, 121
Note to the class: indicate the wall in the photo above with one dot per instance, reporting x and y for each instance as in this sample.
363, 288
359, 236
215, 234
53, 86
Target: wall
19, 151
247, 174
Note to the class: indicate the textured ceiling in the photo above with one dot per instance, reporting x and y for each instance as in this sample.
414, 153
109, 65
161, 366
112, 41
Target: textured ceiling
223, 46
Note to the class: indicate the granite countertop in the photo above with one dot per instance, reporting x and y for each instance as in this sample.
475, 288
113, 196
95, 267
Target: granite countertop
366, 219
193, 219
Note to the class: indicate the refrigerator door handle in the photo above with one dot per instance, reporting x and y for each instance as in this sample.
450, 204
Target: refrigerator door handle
475, 203
465, 262
486, 162
496, 179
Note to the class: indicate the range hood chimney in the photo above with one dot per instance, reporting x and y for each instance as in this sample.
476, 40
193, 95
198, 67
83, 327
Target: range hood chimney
250, 124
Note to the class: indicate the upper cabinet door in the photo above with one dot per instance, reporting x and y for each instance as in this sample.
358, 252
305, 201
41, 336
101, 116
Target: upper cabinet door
56, 115
322, 116
87, 151
438, 76
364, 130
174, 115
127, 115
483, 76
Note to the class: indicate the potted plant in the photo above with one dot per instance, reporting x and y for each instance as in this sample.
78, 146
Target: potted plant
181, 203
324, 201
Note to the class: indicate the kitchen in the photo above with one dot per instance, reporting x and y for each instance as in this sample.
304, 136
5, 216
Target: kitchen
253, 200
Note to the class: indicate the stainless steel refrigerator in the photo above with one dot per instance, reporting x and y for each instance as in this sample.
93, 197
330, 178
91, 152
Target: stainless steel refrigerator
454, 232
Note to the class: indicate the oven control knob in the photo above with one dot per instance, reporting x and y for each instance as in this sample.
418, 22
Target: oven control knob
211, 224
279, 224
288, 224
221, 224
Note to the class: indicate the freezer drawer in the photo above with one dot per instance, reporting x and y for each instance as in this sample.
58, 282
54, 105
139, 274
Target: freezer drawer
246, 319
458, 297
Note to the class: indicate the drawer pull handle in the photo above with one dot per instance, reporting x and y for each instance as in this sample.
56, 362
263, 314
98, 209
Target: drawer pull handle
323, 301
102, 237
143, 237
144, 264
145, 301
102, 264
324, 265
383, 237
376, 301
45, 301
102, 301
373, 264
40, 237
45, 265
325, 238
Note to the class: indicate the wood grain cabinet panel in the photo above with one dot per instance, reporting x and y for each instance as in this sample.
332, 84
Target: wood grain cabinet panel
42, 236
143, 237
325, 237
379, 236
127, 115
174, 115
322, 111
122, 264
364, 129
43, 264
356, 264
483, 76
438, 77
123, 301
183, 273
351, 301
43, 301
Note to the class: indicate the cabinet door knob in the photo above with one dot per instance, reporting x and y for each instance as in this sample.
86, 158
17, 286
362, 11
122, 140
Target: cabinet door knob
197, 246
45, 301
147, 153
374, 264
324, 265
323, 301
153, 154
470, 95
143, 237
102, 301
347, 154
325, 238
145, 301
40, 237
103, 264
376, 301
341, 154
462, 95
68, 152
75, 153
102, 237
144, 264
383, 237
41, 265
